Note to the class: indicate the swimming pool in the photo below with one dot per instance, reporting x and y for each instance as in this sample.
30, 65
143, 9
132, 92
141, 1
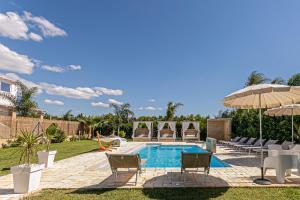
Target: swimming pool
169, 156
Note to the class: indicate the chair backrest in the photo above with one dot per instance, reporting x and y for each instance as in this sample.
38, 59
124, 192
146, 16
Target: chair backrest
257, 143
124, 161
237, 138
270, 142
286, 145
195, 160
251, 141
275, 147
243, 140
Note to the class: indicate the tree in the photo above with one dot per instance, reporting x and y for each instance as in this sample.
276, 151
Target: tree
294, 80
68, 115
278, 80
256, 78
23, 103
122, 114
171, 110
88, 123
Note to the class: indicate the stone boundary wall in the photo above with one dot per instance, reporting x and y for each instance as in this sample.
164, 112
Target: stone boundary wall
10, 126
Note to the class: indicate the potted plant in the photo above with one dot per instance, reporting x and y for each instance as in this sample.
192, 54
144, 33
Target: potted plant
46, 156
26, 176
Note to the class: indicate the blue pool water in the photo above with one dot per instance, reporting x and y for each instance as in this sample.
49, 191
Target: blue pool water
169, 156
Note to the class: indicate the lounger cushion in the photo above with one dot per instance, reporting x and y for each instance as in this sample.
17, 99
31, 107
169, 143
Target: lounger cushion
166, 133
191, 133
141, 132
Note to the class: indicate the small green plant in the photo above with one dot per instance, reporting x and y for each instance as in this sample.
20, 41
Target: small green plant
55, 134
29, 143
122, 134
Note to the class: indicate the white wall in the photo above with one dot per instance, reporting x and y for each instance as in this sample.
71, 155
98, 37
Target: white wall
13, 91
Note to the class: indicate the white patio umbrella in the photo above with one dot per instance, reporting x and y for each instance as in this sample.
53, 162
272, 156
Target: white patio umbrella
286, 110
259, 97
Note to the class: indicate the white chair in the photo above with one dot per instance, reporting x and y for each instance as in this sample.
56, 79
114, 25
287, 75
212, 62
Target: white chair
283, 161
281, 164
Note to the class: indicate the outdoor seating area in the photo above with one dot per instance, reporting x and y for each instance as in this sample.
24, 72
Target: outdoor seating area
110, 170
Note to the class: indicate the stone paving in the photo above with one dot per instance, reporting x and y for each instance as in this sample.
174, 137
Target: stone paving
91, 170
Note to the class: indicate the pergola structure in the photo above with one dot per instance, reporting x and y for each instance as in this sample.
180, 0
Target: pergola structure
190, 134
142, 134
166, 134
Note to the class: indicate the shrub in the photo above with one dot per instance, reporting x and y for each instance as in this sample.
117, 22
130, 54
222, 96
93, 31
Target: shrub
84, 137
122, 134
12, 143
57, 135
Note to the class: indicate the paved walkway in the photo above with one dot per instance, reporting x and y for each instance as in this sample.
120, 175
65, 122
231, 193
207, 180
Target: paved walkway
91, 170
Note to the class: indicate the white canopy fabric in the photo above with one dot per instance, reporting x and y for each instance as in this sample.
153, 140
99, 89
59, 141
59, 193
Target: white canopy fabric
171, 124
160, 126
136, 125
263, 96
185, 126
286, 110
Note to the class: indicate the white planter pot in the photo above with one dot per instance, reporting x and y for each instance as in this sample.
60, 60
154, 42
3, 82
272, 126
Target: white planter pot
26, 177
47, 158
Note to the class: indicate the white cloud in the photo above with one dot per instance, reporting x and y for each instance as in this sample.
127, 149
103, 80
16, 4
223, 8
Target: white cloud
47, 28
151, 108
14, 62
52, 89
74, 67
75, 93
53, 102
13, 26
35, 37
56, 69
100, 104
102, 90
151, 100
113, 101
59, 69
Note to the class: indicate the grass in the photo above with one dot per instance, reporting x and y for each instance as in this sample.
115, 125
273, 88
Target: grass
10, 156
170, 193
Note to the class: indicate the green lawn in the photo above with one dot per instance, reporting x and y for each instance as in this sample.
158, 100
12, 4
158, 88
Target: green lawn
10, 156
174, 193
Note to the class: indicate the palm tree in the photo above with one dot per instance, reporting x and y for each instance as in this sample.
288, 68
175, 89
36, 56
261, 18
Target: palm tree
88, 123
171, 110
294, 80
23, 103
278, 80
256, 78
68, 115
122, 114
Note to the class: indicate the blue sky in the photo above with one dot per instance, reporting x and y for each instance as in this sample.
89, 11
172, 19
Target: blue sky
194, 52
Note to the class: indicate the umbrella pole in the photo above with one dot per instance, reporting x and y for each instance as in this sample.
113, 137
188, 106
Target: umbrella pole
261, 180
293, 125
